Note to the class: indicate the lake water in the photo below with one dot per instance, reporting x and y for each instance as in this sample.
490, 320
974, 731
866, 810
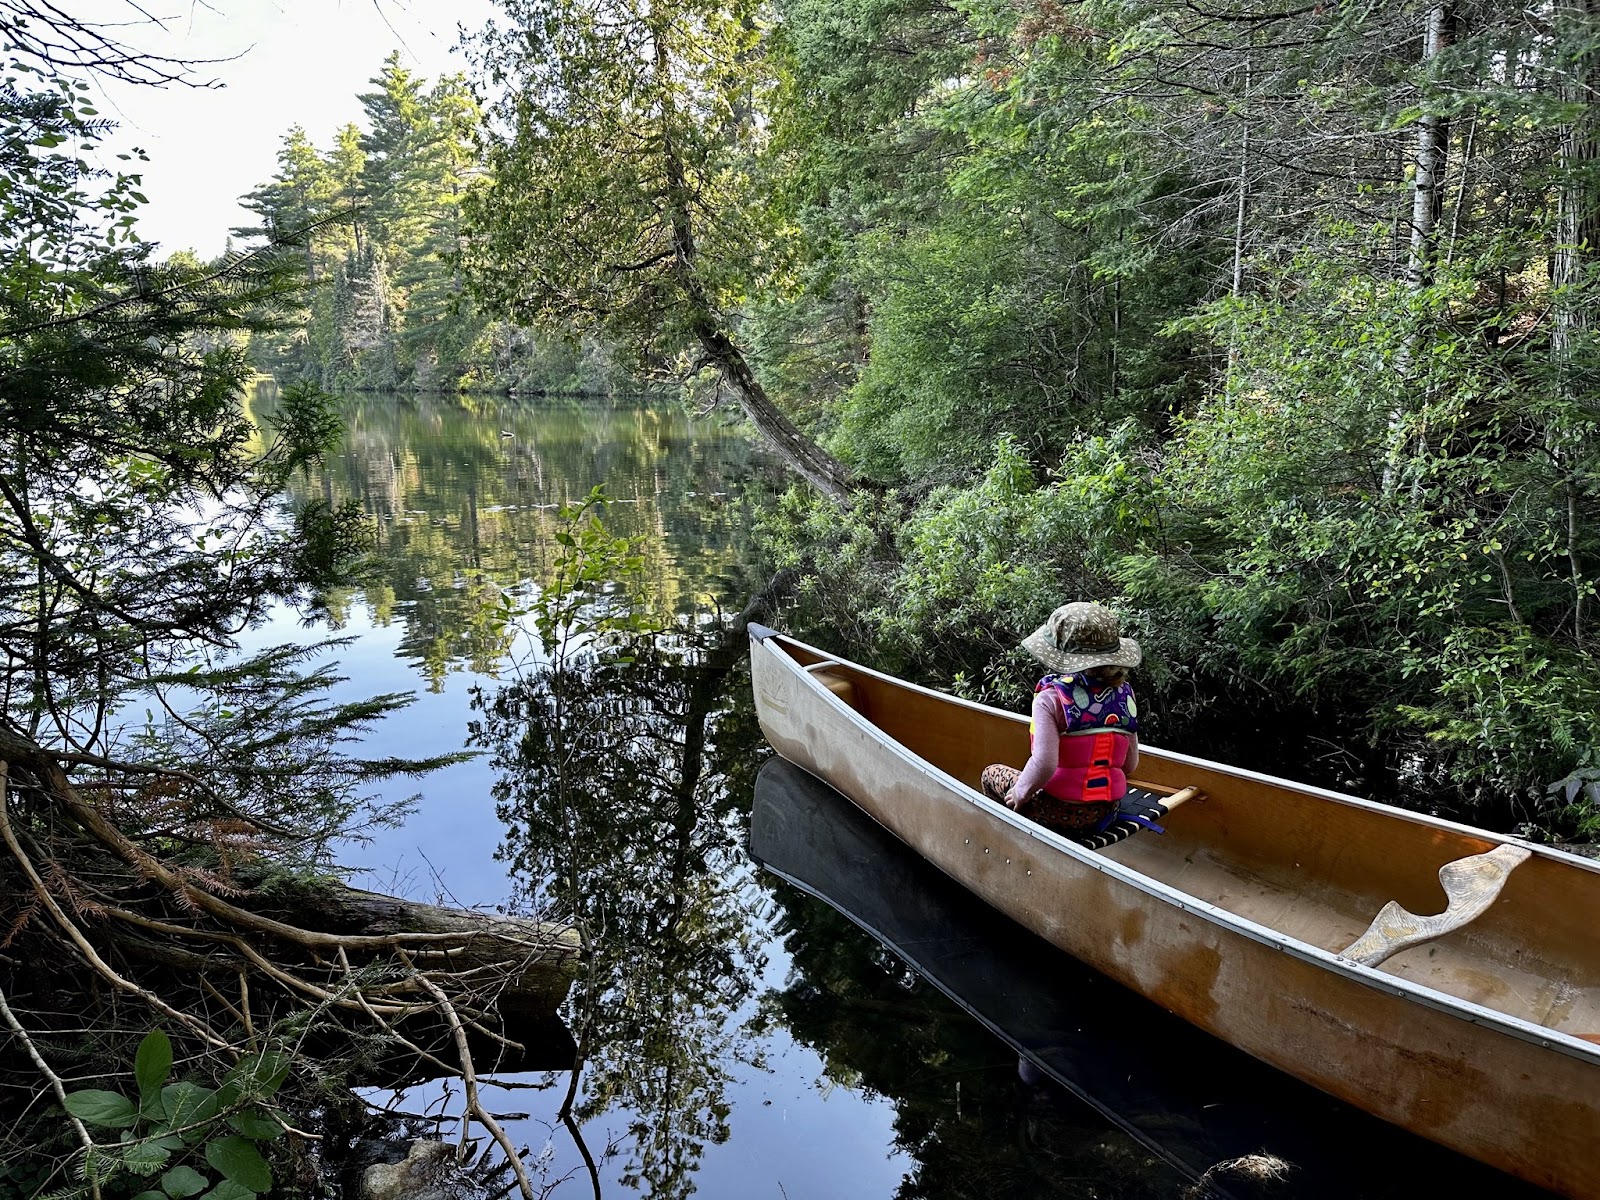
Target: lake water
780, 1005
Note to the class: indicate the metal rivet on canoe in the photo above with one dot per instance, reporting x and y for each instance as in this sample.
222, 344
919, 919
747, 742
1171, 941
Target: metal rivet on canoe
986, 849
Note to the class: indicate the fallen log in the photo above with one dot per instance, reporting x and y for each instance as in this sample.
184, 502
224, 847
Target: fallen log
536, 961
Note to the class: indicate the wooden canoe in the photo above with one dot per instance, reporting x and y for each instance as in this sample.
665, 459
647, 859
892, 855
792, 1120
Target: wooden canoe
1192, 1101
1443, 978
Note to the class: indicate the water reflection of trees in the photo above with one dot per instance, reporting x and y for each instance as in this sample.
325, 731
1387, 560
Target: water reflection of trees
463, 493
972, 1124
623, 783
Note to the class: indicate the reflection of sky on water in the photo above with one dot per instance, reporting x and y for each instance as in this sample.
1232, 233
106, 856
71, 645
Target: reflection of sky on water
453, 827
789, 1126
451, 499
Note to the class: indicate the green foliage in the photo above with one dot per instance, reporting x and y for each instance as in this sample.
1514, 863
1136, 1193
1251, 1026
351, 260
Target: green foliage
844, 562
175, 1127
1007, 316
112, 1110
1579, 791
658, 111
950, 587
995, 250
1351, 538
1318, 452
596, 586
139, 503
379, 216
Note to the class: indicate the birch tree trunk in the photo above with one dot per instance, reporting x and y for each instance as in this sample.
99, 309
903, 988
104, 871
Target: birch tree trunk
1577, 234
1432, 154
1430, 161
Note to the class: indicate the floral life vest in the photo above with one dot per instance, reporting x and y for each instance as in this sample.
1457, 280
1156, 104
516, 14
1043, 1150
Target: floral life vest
1093, 723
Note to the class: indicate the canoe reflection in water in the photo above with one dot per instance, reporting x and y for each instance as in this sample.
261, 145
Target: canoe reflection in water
1208, 1111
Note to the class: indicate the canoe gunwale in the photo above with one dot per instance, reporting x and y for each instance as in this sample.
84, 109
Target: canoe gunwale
1370, 977
1173, 756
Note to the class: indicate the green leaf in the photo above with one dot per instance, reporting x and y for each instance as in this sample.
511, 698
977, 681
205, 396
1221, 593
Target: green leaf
151, 1196
257, 1125
189, 1104
153, 1062
145, 1158
239, 1160
109, 1110
256, 1075
181, 1182
153, 1108
229, 1190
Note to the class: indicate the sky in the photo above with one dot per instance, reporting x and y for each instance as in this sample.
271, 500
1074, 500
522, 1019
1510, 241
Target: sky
290, 62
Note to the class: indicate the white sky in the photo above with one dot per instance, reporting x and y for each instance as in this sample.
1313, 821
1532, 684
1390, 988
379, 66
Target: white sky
299, 62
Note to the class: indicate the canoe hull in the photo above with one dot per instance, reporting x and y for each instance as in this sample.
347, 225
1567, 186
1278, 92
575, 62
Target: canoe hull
1527, 1109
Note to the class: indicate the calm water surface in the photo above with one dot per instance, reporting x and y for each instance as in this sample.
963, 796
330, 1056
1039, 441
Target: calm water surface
791, 1010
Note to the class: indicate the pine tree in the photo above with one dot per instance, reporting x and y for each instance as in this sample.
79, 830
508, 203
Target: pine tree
441, 324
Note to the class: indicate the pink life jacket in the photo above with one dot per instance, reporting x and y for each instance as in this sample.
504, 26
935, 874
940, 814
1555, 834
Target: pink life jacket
1088, 763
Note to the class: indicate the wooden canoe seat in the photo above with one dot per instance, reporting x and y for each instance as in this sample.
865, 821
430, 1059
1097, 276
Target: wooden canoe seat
837, 682
1471, 885
1144, 807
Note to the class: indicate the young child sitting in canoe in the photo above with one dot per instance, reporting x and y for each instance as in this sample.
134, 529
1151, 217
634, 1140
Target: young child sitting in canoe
1084, 735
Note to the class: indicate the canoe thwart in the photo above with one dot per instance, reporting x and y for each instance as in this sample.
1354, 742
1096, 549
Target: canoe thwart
836, 682
1471, 885
1171, 797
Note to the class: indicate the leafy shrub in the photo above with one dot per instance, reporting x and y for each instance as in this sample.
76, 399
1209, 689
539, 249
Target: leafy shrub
189, 1139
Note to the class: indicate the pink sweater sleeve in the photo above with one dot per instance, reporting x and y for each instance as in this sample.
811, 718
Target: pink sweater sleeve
1046, 746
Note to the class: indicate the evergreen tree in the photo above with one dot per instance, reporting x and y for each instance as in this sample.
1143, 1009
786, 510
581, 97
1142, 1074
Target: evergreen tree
394, 143
347, 167
442, 326
297, 205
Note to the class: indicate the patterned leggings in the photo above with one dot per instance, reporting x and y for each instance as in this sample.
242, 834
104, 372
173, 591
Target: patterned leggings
1069, 817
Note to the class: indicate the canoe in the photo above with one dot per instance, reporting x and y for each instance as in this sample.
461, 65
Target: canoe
1443, 978
1191, 1101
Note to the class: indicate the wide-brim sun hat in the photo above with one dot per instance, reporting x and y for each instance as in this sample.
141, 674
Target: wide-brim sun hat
1081, 635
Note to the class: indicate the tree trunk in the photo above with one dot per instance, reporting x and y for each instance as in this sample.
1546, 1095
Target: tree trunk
1427, 203
1433, 140
1577, 234
810, 461
1242, 209
542, 956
